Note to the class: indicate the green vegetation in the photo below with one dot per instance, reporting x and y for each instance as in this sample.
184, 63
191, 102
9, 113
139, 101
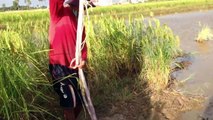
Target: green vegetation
158, 8
23, 81
125, 56
122, 53
119, 50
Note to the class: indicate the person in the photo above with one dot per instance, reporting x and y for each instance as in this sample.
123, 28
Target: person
62, 39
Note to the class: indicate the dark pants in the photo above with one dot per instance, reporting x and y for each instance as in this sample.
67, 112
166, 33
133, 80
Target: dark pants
66, 85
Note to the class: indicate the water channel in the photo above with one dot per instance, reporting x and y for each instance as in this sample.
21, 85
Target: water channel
200, 72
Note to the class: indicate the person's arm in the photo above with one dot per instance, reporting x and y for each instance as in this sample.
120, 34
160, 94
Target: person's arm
83, 58
83, 52
72, 2
75, 3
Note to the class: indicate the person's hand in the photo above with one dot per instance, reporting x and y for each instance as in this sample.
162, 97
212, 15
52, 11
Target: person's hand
66, 5
92, 4
82, 64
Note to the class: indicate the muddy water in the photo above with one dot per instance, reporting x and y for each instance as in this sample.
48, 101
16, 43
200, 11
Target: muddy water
198, 77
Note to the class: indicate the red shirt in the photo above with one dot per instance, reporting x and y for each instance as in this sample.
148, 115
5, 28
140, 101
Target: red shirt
62, 34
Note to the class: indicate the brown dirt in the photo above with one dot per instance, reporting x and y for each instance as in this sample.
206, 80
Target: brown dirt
169, 104
3, 27
166, 105
138, 108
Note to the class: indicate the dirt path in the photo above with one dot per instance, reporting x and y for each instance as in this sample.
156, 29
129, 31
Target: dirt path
186, 26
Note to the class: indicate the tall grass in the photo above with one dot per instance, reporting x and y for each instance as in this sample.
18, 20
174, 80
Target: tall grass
118, 49
24, 83
159, 48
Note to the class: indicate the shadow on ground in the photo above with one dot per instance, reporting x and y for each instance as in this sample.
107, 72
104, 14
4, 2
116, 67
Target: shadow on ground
137, 107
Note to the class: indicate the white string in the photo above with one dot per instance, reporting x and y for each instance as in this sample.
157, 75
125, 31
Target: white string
87, 100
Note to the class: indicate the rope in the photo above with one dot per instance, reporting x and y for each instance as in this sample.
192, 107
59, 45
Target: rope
86, 97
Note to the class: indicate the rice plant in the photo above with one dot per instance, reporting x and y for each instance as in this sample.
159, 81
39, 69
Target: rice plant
24, 82
205, 34
159, 47
117, 49
157, 7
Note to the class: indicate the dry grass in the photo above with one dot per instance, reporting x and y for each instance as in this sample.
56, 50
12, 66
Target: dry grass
205, 34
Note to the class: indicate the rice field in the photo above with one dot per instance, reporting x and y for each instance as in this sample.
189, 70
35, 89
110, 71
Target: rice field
158, 7
117, 48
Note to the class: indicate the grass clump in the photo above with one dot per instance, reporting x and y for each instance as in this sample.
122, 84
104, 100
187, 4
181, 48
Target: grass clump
119, 48
205, 34
159, 47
